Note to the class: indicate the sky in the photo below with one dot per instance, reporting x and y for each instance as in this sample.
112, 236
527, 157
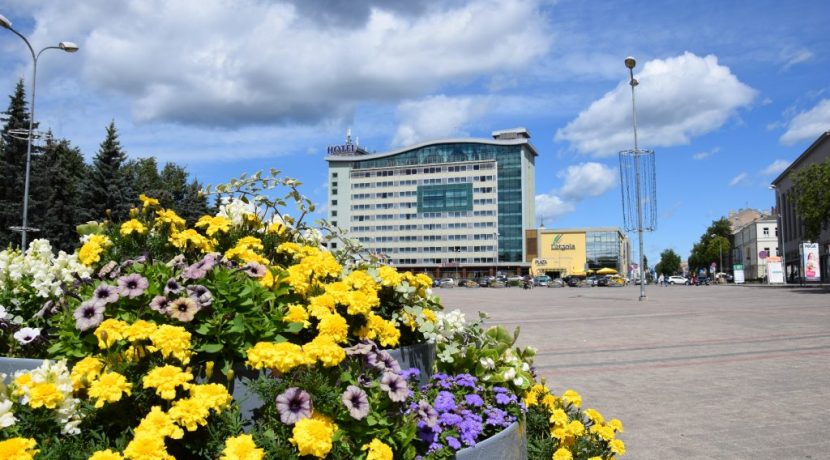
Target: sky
729, 94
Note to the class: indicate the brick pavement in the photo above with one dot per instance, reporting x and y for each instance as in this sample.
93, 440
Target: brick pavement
706, 372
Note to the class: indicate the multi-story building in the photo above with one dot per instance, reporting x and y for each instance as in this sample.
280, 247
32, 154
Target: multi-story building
750, 240
448, 207
574, 251
790, 223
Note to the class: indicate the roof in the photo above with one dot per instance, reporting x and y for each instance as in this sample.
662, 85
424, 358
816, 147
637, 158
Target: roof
456, 140
821, 139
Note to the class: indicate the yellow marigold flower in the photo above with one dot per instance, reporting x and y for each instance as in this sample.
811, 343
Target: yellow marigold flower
18, 449
389, 276
90, 253
296, 314
605, 432
159, 423
140, 330
617, 447
389, 335
560, 433
562, 454
429, 315
21, 384
616, 424
267, 281
595, 458
549, 400
377, 450
275, 228
45, 395
572, 397
106, 455
252, 219
594, 416
361, 302
190, 413
147, 447
109, 388
313, 436
325, 350
171, 341
559, 417
166, 379
423, 280
531, 398
360, 280
214, 224
250, 242
334, 326
575, 428
281, 357
190, 239
109, 332
85, 372
148, 202
245, 254
168, 216
322, 305
241, 447
213, 395
132, 226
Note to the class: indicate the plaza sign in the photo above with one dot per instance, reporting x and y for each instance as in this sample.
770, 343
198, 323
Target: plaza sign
557, 246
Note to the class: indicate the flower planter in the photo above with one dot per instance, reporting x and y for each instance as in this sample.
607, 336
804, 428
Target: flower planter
420, 356
508, 444
247, 400
9, 366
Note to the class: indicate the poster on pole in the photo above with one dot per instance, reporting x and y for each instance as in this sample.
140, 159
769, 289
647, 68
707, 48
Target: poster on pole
738, 273
775, 272
809, 261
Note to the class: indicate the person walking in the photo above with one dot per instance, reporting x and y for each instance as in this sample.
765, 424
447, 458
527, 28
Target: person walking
660, 280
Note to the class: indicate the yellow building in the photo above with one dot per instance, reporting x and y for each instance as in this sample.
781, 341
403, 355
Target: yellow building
565, 252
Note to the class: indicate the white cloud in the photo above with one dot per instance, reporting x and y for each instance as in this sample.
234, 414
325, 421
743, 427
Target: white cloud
436, 117
587, 180
705, 154
793, 57
551, 207
808, 125
677, 99
235, 62
775, 167
739, 179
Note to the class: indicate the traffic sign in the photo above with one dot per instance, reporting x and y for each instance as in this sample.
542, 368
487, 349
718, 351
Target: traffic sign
762, 254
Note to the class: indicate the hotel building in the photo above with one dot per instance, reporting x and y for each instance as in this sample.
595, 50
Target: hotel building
449, 207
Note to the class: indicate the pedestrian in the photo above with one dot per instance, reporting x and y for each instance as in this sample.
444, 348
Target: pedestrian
660, 280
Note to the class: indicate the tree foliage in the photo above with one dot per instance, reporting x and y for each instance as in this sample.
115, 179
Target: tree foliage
110, 194
669, 262
12, 164
812, 197
714, 242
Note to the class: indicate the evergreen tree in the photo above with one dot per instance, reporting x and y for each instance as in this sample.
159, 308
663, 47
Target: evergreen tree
13, 165
63, 207
109, 192
194, 204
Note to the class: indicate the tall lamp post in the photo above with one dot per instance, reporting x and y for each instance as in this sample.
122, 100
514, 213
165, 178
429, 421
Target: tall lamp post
69, 47
630, 62
779, 220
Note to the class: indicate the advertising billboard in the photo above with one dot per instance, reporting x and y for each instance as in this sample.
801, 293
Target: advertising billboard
563, 251
809, 261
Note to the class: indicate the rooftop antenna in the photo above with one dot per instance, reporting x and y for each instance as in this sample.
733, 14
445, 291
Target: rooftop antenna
348, 135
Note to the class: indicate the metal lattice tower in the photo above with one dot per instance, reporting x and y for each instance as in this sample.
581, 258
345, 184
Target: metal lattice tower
638, 180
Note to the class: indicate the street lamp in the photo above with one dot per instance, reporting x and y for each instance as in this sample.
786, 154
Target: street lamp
779, 220
630, 62
69, 47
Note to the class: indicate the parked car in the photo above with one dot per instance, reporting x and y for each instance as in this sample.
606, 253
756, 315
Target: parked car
702, 280
574, 281
467, 283
616, 280
541, 280
485, 281
446, 282
603, 280
677, 279
591, 281
556, 283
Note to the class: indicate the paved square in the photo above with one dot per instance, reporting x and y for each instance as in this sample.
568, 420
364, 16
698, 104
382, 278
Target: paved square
723, 372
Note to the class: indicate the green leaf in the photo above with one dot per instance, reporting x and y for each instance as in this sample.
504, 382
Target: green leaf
212, 347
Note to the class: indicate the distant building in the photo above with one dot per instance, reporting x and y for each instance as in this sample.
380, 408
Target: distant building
449, 207
790, 223
573, 251
749, 242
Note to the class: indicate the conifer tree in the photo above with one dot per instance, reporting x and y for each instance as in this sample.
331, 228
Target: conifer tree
63, 206
110, 193
13, 165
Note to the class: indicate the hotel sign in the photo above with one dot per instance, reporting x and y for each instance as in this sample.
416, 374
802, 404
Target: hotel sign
345, 149
557, 246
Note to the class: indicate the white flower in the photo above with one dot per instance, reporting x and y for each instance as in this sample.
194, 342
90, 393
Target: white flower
7, 418
487, 363
3, 313
235, 210
509, 374
27, 334
526, 367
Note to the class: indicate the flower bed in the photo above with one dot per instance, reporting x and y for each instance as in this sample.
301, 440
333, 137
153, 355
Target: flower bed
148, 312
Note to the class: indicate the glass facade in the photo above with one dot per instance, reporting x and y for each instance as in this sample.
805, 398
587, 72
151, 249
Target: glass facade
445, 198
509, 161
603, 250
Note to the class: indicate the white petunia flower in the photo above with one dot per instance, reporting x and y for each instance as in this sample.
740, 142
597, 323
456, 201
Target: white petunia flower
26, 335
7, 418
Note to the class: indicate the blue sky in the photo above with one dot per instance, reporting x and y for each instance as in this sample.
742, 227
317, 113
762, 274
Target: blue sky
730, 92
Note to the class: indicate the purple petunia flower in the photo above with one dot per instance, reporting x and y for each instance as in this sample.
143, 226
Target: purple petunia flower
293, 405
177, 262
254, 270
361, 348
160, 304
395, 386
172, 287
474, 400
408, 374
201, 295
428, 433
426, 413
201, 268
104, 294
88, 315
132, 285
111, 270
389, 363
445, 401
183, 309
356, 401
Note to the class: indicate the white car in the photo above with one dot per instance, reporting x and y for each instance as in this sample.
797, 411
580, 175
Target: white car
676, 279
446, 282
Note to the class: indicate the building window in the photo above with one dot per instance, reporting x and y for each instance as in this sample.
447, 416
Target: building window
334, 174
334, 213
334, 202
766, 231
334, 191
